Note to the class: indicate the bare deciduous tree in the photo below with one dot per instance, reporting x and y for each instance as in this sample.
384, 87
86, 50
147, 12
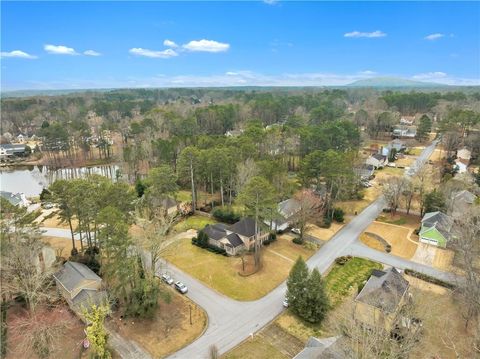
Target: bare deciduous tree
467, 245
392, 191
310, 207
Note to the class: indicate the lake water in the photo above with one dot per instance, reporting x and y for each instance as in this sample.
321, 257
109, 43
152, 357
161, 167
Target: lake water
32, 179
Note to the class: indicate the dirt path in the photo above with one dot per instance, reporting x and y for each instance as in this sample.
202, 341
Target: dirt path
280, 255
126, 348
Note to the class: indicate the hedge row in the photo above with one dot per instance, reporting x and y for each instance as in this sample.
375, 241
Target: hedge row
226, 215
209, 247
429, 279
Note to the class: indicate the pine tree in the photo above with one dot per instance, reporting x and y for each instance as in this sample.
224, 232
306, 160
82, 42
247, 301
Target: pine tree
316, 302
297, 285
424, 128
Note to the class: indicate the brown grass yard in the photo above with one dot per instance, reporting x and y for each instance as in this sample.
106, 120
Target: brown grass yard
169, 330
401, 219
221, 272
443, 323
54, 222
350, 207
324, 234
62, 246
255, 348
396, 236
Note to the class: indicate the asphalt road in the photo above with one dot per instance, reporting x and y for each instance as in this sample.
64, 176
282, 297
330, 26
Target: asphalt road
230, 322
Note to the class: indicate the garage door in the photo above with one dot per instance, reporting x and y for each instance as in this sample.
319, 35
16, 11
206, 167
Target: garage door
433, 242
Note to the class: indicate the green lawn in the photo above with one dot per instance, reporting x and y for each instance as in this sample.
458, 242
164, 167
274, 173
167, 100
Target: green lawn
255, 348
342, 279
193, 222
340, 282
400, 221
221, 272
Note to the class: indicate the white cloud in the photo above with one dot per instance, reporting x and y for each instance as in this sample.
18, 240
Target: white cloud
165, 54
367, 72
59, 50
17, 53
206, 46
435, 36
271, 2
373, 34
430, 76
92, 53
170, 43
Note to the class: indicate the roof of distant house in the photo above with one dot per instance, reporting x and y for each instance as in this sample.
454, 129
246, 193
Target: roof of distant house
289, 207
379, 157
73, 273
442, 222
13, 146
246, 227
464, 196
13, 198
384, 290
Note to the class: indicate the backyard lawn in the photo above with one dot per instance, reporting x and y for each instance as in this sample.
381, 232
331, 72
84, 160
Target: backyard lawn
221, 272
193, 222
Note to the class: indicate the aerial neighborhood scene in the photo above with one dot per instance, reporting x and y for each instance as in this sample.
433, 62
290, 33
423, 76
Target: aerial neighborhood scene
240, 180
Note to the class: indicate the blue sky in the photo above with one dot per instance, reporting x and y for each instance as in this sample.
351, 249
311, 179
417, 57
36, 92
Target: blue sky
60, 45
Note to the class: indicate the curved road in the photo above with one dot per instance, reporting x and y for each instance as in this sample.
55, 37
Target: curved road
231, 321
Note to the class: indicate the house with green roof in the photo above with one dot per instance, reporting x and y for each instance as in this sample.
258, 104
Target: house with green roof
436, 229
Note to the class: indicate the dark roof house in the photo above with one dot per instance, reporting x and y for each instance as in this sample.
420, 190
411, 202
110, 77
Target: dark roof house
384, 290
245, 227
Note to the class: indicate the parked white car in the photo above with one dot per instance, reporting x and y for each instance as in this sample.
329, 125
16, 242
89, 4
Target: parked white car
182, 288
285, 302
167, 279
296, 230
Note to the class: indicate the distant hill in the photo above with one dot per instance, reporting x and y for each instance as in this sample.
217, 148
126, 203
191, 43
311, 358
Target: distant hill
392, 82
28, 93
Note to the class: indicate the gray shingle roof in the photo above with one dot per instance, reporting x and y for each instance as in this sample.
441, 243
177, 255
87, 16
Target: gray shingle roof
234, 240
215, 231
324, 348
73, 273
245, 227
384, 290
87, 297
440, 221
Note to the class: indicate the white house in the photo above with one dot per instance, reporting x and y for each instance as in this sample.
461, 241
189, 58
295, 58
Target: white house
377, 160
464, 154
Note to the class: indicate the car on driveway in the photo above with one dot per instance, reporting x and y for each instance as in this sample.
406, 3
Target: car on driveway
167, 279
182, 288
296, 230
285, 302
